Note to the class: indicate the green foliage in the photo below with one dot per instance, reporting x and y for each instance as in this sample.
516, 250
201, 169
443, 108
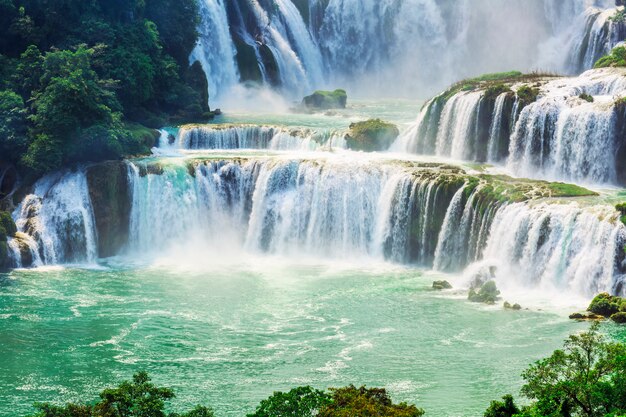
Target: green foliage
527, 94
323, 100
488, 293
619, 16
371, 135
299, 402
73, 73
586, 378
12, 125
363, 402
506, 408
606, 305
492, 92
617, 58
588, 98
136, 398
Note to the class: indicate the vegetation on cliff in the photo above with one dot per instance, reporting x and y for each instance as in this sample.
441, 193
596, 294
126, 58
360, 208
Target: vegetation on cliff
74, 74
617, 58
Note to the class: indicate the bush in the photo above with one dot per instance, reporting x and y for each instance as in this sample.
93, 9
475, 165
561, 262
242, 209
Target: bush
301, 402
136, 398
606, 305
586, 378
371, 135
617, 58
363, 402
586, 97
527, 95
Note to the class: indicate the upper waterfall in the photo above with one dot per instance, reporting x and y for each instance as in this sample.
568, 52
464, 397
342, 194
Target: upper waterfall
394, 47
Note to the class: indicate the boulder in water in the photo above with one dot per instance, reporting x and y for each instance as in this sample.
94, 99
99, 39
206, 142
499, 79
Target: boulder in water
372, 135
619, 318
442, 285
585, 316
509, 306
606, 305
488, 293
325, 100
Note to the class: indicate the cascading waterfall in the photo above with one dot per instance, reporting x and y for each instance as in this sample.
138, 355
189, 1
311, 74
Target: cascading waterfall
56, 221
559, 247
215, 50
559, 136
258, 137
310, 44
594, 38
337, 207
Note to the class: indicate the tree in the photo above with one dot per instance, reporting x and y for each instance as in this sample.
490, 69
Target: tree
586, 378
506, 408
136, 398
363, 402
12, 125
299, 402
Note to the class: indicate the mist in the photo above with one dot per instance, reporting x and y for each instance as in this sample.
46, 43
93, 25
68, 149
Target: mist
391, 48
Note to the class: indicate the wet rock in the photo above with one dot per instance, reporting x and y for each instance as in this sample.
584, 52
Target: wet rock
373, 135
619, 318
488, 293
441, 285
325, 100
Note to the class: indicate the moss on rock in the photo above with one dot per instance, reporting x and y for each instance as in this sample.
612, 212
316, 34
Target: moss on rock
371, 135
326, 100
617, 58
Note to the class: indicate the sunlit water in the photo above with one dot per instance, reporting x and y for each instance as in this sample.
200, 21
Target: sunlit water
232, 334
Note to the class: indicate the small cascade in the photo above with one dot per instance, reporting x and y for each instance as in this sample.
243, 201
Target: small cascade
595, 37
257, 137
56, 221
215, 50
558, 247
571, 132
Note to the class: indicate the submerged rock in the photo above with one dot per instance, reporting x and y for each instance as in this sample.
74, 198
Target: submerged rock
509, 306
326, 100
441, 285
372, 135
586, 316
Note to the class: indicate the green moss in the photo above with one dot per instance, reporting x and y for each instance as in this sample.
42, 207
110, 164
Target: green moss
617, 58
527, 94
494, 91
619, 16
488, 293
323, 100
607, 305
586, 97
371, 135
144, 137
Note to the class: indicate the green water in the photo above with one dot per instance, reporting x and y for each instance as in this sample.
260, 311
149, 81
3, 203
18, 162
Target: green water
230, 335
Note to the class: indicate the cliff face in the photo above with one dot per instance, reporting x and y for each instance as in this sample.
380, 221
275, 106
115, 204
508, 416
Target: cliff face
110, 196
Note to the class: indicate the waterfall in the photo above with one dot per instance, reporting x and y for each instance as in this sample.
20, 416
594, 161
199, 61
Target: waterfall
258, 137
215, 50
594, 38
57, 222
562, 247
334, 206
394, 46
560, 136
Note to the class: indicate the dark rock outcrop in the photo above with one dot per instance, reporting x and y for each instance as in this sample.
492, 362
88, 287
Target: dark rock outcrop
325, 100
111, 202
